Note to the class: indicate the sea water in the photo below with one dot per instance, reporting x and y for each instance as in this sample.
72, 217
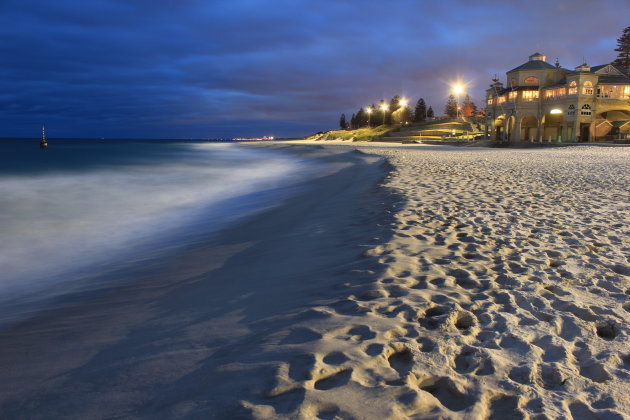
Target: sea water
85, 205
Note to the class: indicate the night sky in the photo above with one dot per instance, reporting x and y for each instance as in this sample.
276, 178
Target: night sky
209, 69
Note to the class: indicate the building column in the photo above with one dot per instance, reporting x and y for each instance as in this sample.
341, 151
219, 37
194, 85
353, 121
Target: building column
576, 130
517, 128
564, 132
539, 130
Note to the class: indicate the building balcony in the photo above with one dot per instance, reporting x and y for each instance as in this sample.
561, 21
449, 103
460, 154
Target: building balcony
609, 96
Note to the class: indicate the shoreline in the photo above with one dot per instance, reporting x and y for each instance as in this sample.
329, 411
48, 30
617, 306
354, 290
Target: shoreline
161, 333
443, 281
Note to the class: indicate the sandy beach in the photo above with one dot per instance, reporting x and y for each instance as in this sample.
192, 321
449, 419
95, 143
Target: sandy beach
504, 291
412, 282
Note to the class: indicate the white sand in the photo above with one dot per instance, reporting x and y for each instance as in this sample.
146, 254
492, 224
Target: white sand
473, 283
505, 294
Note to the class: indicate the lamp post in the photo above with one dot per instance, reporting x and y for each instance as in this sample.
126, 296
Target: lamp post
384, 108
457, 90
369, 112
402, 102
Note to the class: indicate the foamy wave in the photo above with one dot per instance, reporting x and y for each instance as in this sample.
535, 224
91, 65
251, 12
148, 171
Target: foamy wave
58, 222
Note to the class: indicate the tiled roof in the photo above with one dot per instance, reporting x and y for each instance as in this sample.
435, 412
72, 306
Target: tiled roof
534, 65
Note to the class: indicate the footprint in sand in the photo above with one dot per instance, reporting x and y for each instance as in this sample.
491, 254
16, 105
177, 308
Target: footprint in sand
401, 361
522, 374
606, 330
335, 358
359, 333
374, 349
328, 412
426, 344
552, 375
580, 410
595, 371
301, 366
448, 393
504, 407
472, 360
333, 381
434, 317
464, 321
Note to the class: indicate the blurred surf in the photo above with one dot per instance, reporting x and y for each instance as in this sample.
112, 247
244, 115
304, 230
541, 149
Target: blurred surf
81, 206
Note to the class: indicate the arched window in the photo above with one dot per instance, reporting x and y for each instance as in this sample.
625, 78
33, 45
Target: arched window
588, 88
573, 88
571, 110
513, 82
531, 80
586, 110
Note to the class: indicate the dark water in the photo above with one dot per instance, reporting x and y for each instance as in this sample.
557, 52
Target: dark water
81, 205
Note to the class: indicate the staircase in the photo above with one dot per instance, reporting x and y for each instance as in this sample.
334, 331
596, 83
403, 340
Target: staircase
431, 131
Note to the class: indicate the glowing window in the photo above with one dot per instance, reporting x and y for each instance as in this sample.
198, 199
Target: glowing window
586, 110
489, 101
573, 83
501, 99
530, 95
588, 88
512, 96
531, 80
513, 81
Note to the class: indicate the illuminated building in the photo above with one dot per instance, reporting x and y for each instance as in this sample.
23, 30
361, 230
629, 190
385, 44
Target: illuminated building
548, 103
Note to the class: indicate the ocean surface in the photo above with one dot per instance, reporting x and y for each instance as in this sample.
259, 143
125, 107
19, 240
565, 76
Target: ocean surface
81, 206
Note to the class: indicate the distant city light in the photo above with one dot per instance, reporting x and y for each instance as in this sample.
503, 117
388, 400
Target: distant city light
253, 138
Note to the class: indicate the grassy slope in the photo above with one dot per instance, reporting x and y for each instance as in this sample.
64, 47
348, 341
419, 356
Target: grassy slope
361, 134
430, 130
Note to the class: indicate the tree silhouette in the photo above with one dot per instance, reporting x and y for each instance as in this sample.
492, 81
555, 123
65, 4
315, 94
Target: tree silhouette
402, 115
450, 108
343, 124
420, 113
469, 109
623, 48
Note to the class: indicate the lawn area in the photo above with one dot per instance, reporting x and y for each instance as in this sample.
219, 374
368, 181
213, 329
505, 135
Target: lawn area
360, 134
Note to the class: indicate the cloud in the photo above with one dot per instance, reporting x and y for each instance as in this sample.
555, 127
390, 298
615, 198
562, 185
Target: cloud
245, 67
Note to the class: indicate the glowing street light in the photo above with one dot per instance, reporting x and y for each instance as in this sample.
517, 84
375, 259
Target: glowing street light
403, 102
458, 89
384, 108
369, 110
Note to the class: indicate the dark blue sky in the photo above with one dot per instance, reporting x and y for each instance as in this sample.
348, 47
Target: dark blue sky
179, 69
